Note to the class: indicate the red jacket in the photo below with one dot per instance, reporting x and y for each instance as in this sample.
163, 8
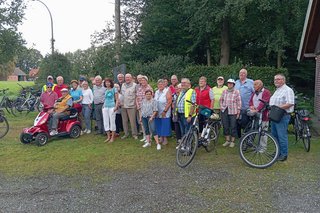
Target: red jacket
266, 97
58, 89
203, 96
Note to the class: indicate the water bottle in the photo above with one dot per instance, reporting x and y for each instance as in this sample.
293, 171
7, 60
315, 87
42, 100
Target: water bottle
207, 133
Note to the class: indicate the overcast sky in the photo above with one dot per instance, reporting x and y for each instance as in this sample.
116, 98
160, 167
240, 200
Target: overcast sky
73, 23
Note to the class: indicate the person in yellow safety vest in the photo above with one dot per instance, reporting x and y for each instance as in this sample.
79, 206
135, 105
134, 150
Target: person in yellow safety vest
184, 109
49, 79
60, 107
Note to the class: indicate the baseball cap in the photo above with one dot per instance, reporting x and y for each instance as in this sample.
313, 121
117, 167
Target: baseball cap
82, 78
49, 77
220, 77
49, 84
231, 81
64, 90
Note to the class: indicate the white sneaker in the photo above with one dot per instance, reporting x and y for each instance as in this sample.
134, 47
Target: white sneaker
158, 147
146, 145
227, 143
232, 144
143, 139
53, 132
88, 131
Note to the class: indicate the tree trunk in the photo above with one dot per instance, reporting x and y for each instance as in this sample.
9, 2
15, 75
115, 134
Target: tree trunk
117, 30
279, 59
225, 43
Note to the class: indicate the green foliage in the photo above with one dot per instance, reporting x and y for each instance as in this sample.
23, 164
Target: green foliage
265, 74
28, 58
55, 65
163, 66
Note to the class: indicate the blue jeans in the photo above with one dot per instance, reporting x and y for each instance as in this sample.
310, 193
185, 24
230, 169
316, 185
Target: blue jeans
280, 132
146, 124
86, 112
184, 125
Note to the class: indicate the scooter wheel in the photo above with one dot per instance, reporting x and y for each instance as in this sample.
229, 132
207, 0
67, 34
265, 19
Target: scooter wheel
41, 139
25, 138
75, 131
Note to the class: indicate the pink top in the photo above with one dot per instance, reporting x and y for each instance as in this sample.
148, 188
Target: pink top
48, 99
231, 100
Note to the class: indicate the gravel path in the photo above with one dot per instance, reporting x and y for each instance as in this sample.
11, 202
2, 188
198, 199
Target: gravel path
156, 189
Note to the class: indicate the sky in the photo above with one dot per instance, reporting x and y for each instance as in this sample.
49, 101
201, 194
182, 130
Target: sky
73, 23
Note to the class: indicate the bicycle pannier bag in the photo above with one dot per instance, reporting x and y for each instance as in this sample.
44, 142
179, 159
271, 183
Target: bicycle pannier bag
276, 113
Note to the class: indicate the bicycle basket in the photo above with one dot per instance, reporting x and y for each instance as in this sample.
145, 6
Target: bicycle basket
304, 113
207, 112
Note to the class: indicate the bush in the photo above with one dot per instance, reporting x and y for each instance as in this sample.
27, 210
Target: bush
265, 74
163, 66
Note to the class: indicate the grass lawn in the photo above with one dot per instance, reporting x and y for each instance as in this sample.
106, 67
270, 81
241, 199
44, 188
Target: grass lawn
90, 155
14, 88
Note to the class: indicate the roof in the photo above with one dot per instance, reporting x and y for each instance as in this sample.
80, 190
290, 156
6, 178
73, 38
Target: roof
18, 72
311, 31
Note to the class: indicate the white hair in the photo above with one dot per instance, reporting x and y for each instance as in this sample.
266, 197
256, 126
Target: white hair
98, 77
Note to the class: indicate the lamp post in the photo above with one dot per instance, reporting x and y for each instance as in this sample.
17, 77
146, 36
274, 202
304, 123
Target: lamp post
52, 39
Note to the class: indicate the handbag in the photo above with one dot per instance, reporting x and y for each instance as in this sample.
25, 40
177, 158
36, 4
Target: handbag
276, 113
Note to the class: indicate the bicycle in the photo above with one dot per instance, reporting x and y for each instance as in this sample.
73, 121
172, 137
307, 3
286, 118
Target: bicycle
301, 127
258, 148
26, 105
190, 142
4, 125
6, 102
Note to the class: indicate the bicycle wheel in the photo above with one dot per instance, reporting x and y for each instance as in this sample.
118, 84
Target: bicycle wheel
4, 126
306, 136
187, 148
296, 126
20, 107
259, 150
214, 136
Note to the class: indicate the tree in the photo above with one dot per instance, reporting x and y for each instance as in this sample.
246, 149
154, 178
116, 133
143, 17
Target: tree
55, 65
28, 58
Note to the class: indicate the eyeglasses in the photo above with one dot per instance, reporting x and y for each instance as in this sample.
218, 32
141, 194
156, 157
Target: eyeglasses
220, 79
49, 87
278, 79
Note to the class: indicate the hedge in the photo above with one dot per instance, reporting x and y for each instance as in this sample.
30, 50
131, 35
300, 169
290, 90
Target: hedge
265, 74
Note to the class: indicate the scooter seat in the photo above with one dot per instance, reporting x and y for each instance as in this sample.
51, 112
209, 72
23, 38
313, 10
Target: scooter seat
73, 114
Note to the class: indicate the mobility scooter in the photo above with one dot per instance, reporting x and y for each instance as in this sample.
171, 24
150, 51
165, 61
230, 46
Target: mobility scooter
69, 125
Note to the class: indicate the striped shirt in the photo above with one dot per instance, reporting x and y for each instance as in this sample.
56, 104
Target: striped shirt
148, 107
283, 95
230, 99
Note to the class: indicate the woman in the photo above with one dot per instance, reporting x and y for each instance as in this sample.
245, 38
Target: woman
109, 109
174, 112
230, 102
148, 113
76, 93
87, 106
119, 126
163, 123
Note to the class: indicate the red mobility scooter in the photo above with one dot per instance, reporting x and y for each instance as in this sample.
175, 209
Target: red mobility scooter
69, 125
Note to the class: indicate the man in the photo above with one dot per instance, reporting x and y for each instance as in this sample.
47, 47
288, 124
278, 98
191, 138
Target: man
185, 109
217, 91
98, 99
60, 107
256, 105
204, 97
129, 110
283, 97
60, 85
120, 78
49, 79
49, 97
174, 83
245, 86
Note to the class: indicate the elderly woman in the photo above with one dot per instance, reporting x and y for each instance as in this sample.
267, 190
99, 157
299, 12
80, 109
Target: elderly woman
163, 123
87, 106
119, 126
230, 103
109, 109
177, 89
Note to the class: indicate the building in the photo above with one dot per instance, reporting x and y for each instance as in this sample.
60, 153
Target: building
310, 47
17, 75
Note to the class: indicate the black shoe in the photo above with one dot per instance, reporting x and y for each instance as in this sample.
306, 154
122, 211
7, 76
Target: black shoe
282, 158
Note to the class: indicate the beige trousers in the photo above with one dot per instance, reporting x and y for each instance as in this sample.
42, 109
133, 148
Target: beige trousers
131, 115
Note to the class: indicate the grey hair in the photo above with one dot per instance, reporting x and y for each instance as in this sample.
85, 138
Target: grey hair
282, 76
160, 81
120, 74
98, 77
186, 79
59, 77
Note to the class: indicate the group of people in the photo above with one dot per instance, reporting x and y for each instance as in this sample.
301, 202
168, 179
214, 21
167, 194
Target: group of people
169, 108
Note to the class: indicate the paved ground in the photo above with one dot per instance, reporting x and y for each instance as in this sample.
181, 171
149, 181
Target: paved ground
159, 188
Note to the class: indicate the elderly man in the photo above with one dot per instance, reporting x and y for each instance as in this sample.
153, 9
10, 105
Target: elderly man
245, 86
98, 99
174, 83
185, 109
49, 97
49, 79
283, 97
60, 85
129, 109
60, 107
205, 98
120, 78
